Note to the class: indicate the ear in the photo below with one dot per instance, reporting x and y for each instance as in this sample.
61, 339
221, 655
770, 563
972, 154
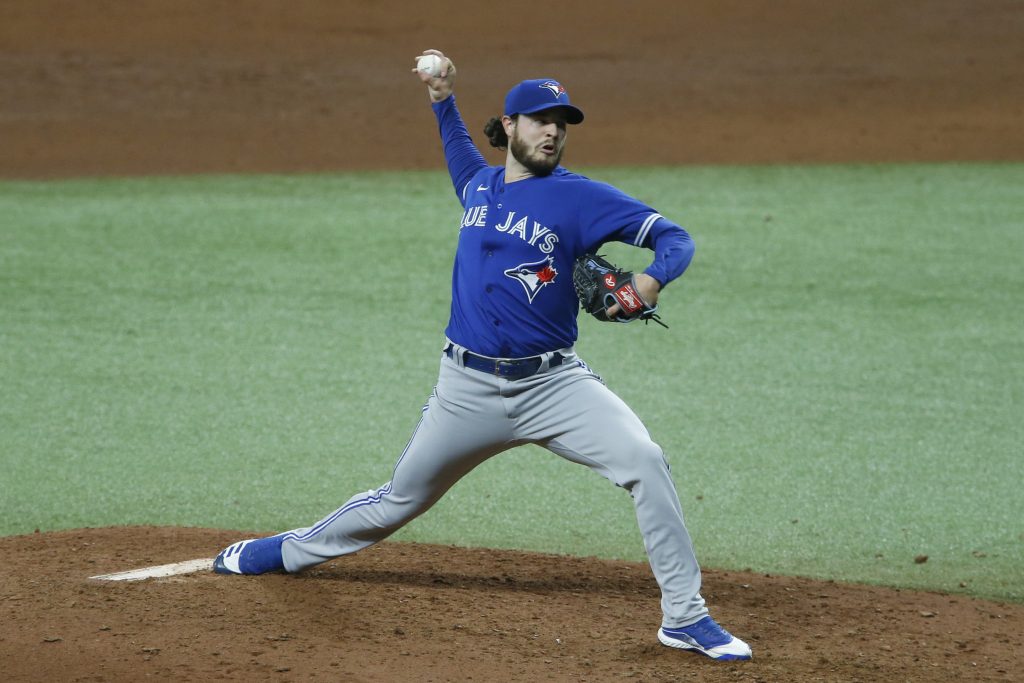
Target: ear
509, 124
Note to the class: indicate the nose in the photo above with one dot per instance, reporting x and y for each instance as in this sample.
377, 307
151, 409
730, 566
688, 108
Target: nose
553, 129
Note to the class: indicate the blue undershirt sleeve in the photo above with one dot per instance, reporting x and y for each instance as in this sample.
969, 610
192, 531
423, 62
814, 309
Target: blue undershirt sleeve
463, 158
673, 250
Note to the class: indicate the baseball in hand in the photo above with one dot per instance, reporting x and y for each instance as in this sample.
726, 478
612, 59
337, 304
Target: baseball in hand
430, 65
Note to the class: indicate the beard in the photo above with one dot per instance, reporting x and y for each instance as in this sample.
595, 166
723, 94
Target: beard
540, 164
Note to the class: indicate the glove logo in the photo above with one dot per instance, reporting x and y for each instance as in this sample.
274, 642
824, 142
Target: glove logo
609, 281
628, 298
534, 276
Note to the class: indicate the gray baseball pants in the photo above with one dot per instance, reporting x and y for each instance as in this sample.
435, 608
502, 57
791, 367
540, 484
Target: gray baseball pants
472, 416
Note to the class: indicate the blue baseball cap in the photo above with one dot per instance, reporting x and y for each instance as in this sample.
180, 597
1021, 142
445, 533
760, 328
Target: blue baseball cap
539, 94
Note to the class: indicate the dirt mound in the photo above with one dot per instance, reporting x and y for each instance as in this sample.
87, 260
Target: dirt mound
404, 612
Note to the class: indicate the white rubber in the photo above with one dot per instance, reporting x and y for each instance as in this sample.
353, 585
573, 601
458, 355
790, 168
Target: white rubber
158, 572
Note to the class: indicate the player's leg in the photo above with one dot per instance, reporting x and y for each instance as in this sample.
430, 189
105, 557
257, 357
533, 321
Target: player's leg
585, 422
462, 425
576, 416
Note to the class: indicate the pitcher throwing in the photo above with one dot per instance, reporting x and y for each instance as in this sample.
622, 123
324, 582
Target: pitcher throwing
509, 374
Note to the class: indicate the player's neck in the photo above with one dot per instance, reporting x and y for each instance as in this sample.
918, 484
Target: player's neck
514, 170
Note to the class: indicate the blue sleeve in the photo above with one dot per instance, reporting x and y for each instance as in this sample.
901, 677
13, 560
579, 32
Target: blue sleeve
608, 214
673, 250
463, 158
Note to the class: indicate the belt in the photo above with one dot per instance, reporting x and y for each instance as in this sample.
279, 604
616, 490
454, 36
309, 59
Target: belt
509, 368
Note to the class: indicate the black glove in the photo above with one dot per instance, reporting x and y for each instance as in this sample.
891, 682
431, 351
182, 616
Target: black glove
600, 285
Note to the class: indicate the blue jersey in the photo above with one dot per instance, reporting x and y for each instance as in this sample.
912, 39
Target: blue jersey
512, 291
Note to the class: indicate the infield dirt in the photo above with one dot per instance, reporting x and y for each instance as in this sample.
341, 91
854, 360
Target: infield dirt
199, 86
192, 86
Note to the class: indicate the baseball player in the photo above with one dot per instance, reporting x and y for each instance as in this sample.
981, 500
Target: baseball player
509, 374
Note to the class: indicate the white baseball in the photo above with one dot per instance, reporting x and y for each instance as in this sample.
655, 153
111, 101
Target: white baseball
429, 64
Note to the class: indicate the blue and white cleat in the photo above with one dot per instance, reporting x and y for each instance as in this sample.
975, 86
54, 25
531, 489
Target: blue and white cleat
255, 556
707, 638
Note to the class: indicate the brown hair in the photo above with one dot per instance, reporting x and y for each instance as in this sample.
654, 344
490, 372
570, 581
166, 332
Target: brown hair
495, 132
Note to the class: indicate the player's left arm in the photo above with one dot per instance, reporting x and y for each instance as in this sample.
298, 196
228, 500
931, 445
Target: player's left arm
673, 251
608, 214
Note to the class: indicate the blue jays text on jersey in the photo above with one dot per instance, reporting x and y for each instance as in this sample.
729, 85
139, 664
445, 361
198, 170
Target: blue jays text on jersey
476, 216
512, 292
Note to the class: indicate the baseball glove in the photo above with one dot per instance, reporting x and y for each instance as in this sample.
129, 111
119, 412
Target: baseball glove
600, 285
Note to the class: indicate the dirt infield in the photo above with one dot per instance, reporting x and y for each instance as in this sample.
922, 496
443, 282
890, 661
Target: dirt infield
151, 86
126, 87
403, 612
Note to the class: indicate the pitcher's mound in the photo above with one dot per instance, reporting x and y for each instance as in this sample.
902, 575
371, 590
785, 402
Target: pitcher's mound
409, 612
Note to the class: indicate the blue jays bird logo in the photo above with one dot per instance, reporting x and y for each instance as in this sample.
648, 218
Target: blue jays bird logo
534, 276
557, 89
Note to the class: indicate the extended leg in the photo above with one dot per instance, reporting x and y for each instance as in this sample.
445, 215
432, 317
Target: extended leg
463, 424
460, 428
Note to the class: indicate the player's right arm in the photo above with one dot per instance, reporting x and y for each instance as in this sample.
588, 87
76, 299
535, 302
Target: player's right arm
463, 158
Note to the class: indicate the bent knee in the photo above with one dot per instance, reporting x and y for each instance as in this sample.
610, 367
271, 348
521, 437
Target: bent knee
646, 461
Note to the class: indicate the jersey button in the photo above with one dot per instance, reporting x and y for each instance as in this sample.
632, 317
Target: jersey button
497, 323
490, 253
488, 289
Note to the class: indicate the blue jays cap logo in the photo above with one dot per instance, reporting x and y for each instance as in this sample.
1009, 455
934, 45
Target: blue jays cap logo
534, 276
557, 89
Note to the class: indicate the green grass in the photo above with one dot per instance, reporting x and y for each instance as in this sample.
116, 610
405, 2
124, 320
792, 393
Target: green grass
839, 392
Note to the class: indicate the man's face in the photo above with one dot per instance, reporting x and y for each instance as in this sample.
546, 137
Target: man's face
537, 141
